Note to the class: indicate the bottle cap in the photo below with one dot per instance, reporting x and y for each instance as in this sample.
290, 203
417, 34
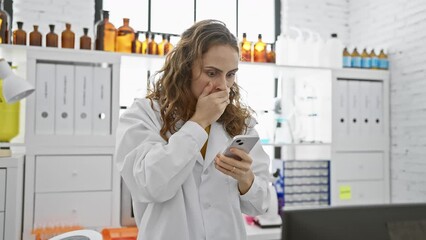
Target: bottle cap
334, 35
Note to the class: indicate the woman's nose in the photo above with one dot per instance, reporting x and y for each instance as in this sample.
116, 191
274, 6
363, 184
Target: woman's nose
220, 83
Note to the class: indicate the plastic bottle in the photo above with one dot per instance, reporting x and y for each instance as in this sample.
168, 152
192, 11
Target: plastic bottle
259, 50
52, 37
346, 58
125, 37
282, 134
365, 59
68, 37
374, 60
245, 48
35, 37
85, 40
356, 59
333, 52
19, 35
383, 60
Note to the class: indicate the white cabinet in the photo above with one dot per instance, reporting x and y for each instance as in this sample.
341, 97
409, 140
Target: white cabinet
11, 187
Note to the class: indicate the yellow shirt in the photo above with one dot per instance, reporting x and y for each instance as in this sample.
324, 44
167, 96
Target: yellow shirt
204, 148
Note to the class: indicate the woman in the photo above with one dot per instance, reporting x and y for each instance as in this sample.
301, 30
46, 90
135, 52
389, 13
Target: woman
169, 145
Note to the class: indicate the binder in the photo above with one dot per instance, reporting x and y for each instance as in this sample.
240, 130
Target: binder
376, 110
83, 100
365, 105
102, 101
64, 110
341, 110
45, 99
354, 108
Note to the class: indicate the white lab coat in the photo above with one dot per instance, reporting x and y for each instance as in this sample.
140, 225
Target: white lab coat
176, 194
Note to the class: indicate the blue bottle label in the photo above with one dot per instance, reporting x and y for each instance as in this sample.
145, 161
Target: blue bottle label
383, 63
356, 62
374, 62
366, 62
347, 62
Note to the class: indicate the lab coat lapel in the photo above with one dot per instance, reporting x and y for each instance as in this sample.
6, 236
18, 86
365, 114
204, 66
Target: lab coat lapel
217, 142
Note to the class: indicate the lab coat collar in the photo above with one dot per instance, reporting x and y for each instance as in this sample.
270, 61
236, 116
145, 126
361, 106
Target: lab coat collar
216, 143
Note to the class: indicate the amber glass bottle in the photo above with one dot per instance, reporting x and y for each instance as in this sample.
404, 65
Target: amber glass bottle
152, 45
270, 53
68, 37
35, 37
19, 35
52, 37
169, 46
125, 37
105, 34
356, 59
136, 44
374, 60
259, 50
4, 24
161, 45
245, 48
145, 44
85, 40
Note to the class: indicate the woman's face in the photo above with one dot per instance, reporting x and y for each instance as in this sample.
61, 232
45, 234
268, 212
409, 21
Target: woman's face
218, 66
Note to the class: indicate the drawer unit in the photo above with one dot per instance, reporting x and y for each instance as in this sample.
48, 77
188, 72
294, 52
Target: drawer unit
89, 209
73, 173
2, 189
359, 166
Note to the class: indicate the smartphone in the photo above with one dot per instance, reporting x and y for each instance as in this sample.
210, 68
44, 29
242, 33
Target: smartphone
243, 142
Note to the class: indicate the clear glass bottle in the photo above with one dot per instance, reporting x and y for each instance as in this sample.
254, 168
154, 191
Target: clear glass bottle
35, 37
4, 24
85, 40
245, 48
68, 37
52, 37
105, 34
19, 35
125, 37
259, 50
169, 46
137, 45
161, 45
152, 45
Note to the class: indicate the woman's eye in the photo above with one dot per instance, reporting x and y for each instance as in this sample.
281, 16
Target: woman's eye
231, 74
211, 74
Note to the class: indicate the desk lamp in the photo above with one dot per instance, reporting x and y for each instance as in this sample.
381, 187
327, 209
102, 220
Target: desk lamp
12, 89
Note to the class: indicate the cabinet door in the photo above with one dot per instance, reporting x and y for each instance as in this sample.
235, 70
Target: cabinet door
2, 189
73, 173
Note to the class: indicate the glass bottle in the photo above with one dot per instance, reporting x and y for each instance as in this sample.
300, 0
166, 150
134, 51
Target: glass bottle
137, 45
85, 40
161, 45
145, 44
383, 60
125, 37
35, 37
152, 45
19, 35
356, 59
4, 24
68, 37
259, 50
270, 53
245, 48
52, 37
374, 60
169, 46
105, 34
365, 59
346, 58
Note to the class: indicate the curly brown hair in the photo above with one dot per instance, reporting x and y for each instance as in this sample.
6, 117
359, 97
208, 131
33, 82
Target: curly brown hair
173, 88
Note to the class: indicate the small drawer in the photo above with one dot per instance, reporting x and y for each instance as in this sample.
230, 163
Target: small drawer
2, 189
359, 166
362, 192
73, 173
88, 209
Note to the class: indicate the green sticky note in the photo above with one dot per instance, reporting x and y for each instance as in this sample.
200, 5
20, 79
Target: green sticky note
345, 192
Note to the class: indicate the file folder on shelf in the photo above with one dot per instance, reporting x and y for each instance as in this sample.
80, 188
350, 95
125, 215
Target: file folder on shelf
341, 116
45, 99
102, 101
376, 110
83, 116
64, 117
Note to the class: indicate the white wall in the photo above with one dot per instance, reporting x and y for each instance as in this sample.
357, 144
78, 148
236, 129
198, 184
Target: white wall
80, 13
400, 25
